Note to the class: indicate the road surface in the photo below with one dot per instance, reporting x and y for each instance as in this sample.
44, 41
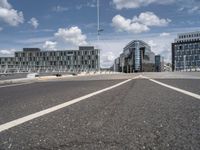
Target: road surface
124, 111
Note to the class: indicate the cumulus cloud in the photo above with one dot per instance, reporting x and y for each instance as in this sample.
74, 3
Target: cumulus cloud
164, 34
5, 4
107, 59
10, 15
50, 45
123, 24
138, 24
71, 35
150, 19
152, 43
120, 4
33, 22
7, 52
162, 46
110, 49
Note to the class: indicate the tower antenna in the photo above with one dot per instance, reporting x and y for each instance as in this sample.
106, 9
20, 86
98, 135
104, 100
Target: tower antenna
98, 21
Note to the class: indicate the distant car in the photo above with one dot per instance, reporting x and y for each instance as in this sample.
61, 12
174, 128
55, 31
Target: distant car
74, 74
58, 75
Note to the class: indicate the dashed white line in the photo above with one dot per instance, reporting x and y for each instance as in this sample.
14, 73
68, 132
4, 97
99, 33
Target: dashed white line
22, 120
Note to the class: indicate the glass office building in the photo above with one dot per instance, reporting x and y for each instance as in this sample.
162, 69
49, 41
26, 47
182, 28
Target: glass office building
159, 63
186, 52
136, 57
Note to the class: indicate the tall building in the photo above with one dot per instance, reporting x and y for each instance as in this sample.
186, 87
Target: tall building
186, 52
33, 59
159, 63
136, 57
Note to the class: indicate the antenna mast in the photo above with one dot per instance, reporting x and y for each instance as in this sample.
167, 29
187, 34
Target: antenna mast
98, 26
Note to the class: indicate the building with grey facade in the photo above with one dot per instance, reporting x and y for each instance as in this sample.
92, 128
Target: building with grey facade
136, 57
159, 63
186, 52
87, 58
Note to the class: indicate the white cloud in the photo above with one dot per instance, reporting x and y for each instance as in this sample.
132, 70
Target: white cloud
1, 28
194, 9
5, 4
127, 25
107, 59
152, 43
7, 52
165, 34
161, 45
110, 49
60, 8
50, 45
139, 24
90, 4
150, 19
71, 35
33, 22
120, 4
10, 15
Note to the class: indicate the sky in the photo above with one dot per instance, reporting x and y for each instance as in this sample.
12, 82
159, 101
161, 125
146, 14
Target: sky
67, 24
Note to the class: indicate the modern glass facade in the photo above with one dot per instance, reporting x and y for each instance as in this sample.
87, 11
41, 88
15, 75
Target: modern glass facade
136, 57
186, 52
159, 63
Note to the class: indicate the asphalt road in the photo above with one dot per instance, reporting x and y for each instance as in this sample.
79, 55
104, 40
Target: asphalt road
12, 76
139, 114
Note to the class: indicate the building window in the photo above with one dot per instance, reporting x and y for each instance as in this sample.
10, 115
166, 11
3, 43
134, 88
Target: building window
70, 52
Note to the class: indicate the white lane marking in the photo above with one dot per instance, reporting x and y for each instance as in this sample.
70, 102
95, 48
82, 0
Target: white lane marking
13, 84
19, 121
175, 88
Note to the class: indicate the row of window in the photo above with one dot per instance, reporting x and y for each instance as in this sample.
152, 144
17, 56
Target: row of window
188, 40
193, 52
58, 53
53, 62
189, 58
187, 46
69, 58
187, 64
189, 35
56, 58
51, 67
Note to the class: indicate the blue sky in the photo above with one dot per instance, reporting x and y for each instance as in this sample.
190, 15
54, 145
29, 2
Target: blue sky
64, 24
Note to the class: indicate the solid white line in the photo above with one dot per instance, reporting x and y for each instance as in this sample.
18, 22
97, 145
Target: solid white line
19, 121
176, 89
